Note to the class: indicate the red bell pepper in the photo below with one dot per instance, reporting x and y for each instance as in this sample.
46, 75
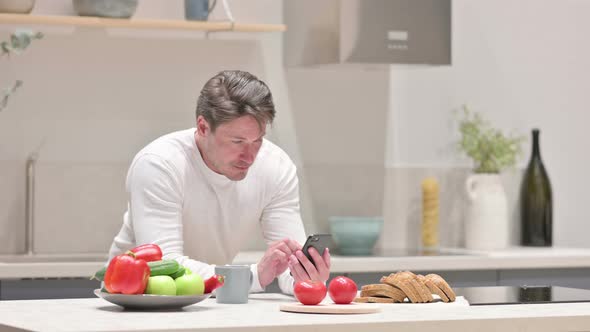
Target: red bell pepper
148, 252
213, 283
126, 274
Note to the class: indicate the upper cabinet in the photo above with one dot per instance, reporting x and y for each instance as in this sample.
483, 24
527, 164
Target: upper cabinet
367, 31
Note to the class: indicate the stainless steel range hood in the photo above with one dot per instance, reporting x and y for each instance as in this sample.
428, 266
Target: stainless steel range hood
367, 32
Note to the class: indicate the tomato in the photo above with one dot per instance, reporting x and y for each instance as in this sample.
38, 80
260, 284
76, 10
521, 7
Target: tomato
342, 290
310, 292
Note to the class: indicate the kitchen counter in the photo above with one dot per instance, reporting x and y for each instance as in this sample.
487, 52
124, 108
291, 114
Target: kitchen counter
262, 314
460, 260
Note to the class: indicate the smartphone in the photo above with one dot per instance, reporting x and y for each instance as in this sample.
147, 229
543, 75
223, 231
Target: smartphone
319, 241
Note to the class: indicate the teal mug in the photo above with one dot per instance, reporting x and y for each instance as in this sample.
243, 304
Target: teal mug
236, 287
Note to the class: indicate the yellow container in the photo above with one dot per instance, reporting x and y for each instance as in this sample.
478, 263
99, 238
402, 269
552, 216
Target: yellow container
430, 213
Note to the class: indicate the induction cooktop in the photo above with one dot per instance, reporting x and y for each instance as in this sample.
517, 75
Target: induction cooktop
494, 295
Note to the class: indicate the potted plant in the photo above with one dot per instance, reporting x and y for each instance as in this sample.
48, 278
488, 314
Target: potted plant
487, 223
19, 41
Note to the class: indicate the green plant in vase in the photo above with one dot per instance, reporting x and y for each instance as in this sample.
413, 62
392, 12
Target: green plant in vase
19, 41
487, 224
489, 148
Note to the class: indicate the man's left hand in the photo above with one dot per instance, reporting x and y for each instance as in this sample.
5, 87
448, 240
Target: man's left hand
303, 269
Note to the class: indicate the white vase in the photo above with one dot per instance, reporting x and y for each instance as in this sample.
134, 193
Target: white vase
487, 223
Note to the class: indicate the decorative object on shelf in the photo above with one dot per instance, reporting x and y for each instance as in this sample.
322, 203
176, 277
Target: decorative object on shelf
355, 235
16, 6
487, 223
198, 10
536, 203
105, 8
430, 213
228, 24
19, 41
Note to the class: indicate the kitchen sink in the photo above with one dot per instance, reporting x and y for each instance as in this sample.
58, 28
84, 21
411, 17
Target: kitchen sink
53, 258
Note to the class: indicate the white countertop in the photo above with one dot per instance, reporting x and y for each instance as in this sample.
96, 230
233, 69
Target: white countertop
513, 258
262, 314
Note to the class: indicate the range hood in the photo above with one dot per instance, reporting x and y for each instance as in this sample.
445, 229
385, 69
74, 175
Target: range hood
367, 32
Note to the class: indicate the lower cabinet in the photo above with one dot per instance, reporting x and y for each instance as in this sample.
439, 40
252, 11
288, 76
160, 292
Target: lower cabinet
28, 289
576, 278
62, 288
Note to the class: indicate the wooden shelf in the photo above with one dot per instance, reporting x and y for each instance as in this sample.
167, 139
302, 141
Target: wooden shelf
132, 23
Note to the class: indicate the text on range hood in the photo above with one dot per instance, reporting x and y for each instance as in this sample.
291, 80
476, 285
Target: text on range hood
367, 31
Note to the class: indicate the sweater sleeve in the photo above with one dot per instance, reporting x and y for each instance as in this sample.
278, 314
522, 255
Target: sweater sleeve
281, 218
155, 210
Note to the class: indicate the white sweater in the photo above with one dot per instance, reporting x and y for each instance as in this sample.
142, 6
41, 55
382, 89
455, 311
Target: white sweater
201, 218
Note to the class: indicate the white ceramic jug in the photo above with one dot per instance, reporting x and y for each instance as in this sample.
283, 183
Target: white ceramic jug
487, 223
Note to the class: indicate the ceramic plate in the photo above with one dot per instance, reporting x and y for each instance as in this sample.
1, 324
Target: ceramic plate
147, 301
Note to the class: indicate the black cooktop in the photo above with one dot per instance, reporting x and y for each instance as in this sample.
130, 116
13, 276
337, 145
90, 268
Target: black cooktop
494, 295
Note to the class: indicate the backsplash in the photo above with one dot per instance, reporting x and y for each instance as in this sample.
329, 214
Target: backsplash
402, 205
12, 206
395, 193
82, 204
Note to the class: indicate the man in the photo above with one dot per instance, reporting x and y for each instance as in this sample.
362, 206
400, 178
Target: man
200, 193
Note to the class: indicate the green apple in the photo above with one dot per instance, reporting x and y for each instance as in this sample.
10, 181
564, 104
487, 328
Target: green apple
189, 284
161, 285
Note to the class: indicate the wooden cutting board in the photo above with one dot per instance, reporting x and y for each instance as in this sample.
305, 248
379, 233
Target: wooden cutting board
352, 308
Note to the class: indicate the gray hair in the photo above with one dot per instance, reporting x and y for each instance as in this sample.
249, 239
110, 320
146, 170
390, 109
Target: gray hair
232, 94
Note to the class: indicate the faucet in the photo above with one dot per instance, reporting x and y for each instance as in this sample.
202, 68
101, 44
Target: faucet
30, 203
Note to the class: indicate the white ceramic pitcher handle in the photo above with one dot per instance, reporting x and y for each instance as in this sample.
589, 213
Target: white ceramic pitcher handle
470, 187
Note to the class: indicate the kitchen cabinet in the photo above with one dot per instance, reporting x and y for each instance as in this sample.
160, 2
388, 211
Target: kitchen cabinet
518, 266
53, 288
577, 278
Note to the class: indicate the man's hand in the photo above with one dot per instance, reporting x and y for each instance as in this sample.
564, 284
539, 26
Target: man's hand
276, 260
302, 269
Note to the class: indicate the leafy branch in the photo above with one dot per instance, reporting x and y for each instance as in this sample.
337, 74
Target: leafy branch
19, 41
489, 148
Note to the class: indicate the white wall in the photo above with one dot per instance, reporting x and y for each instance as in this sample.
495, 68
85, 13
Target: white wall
522, 64
340, 116
97, 96
93, 97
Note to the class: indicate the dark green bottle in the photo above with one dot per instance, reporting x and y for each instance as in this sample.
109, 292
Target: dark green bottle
536, 204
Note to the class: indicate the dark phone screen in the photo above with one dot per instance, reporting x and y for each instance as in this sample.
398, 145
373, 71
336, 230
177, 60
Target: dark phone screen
320, 242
